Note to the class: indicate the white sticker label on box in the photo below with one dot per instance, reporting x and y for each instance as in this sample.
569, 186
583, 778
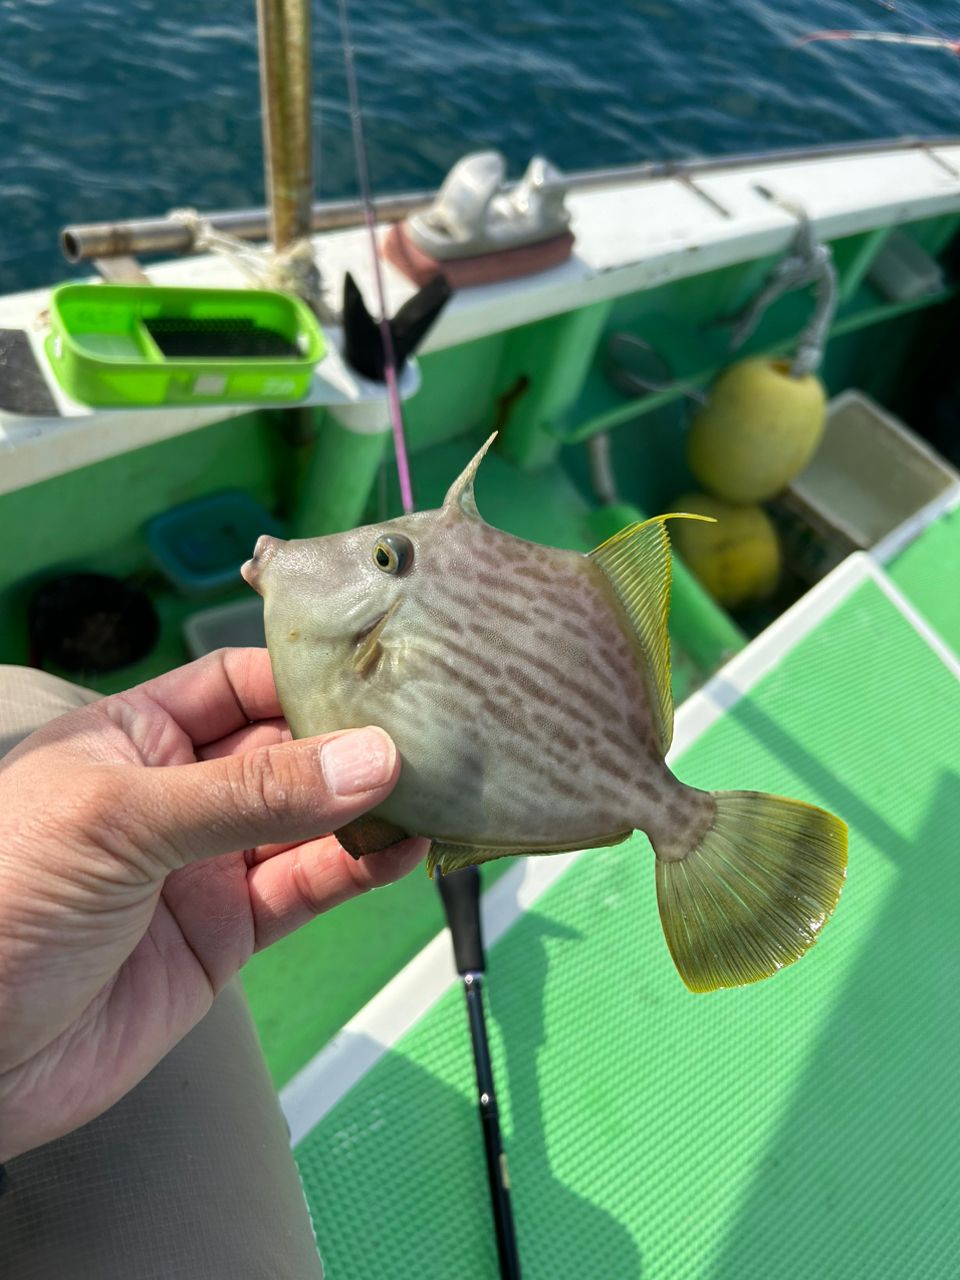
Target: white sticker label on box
210, 384
278, 387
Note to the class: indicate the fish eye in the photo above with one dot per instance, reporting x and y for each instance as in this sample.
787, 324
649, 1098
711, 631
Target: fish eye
393, 553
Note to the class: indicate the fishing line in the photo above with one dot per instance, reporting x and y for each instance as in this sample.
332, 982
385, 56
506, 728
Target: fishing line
366, 199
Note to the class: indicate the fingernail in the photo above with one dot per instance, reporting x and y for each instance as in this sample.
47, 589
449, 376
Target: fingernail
358, 761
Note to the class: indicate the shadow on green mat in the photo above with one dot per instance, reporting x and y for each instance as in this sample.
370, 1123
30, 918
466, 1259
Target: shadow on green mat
804, 1128
863, 1168
835, 793
429, 1205
861, 1175
566, 1236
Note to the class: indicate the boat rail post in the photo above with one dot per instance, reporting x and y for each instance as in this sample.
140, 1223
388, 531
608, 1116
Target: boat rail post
283, 30
284, 35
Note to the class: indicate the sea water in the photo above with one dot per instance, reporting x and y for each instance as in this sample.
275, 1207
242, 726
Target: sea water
122, 108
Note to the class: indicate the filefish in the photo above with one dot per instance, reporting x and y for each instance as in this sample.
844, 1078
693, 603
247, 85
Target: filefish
527, 689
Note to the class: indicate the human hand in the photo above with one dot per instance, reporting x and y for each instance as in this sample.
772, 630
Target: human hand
149, 844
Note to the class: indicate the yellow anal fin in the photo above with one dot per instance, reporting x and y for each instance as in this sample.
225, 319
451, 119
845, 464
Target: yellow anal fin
448, 856
636, 562
753, 895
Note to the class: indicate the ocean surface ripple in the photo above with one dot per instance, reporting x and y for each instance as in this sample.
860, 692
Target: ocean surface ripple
112, 110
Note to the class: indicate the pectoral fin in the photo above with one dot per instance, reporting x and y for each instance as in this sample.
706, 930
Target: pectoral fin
368, 651
454, 857
369, 834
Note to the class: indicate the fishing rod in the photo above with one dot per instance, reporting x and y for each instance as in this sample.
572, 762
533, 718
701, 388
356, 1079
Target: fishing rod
369, 217
885, 37
460, 892
915, 19
936, 37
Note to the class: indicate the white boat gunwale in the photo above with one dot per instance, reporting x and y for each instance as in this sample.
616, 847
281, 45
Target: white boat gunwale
647, 233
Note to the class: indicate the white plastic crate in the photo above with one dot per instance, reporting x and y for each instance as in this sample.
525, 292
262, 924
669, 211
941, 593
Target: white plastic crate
235, 625
869, 478
902, 270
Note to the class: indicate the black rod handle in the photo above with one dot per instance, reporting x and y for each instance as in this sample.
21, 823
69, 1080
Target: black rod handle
460, 892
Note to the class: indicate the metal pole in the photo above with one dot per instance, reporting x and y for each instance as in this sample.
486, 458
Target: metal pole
85, 241
81, 243
284, 28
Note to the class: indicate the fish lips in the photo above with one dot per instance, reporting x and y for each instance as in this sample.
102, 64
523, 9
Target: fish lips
252, 570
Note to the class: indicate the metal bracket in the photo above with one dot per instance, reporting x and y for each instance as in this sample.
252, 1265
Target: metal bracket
809, 262
123, 270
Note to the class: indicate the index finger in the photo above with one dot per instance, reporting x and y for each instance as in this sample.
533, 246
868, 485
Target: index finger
218, 694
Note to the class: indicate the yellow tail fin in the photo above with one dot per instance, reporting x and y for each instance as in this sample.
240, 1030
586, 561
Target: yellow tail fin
752, 896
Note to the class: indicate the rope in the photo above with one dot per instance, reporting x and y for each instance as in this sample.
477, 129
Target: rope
810, 262
292, 270
602, 479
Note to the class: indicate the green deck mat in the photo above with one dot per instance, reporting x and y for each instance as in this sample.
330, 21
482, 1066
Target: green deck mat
928, 571
806, 1127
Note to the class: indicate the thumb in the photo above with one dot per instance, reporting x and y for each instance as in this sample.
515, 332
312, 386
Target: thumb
281, 793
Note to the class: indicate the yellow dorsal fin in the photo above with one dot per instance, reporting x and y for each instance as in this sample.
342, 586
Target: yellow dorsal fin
636, 562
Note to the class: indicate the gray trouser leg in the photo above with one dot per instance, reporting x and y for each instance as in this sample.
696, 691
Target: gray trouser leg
190, 1175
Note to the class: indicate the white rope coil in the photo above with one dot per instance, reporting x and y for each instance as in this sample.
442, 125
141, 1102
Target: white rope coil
292, 270
810, 262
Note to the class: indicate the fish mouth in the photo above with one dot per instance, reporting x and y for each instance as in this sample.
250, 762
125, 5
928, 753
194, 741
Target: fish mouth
251, 569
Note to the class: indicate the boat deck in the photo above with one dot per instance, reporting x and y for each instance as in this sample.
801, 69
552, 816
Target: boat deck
803, 1126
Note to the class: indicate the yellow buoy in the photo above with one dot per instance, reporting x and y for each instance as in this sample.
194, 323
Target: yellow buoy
758, 429
736, 560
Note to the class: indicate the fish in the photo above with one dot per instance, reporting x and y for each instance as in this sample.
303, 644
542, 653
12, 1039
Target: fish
527, 689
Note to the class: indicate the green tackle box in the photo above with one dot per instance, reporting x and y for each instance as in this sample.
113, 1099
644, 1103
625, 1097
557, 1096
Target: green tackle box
131, 344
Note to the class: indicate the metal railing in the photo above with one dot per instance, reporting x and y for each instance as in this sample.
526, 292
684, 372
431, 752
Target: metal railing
163, 235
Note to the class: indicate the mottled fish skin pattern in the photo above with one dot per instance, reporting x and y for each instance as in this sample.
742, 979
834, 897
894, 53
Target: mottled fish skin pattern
506, 672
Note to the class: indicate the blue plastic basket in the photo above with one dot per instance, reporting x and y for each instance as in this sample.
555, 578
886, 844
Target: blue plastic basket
201, 545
